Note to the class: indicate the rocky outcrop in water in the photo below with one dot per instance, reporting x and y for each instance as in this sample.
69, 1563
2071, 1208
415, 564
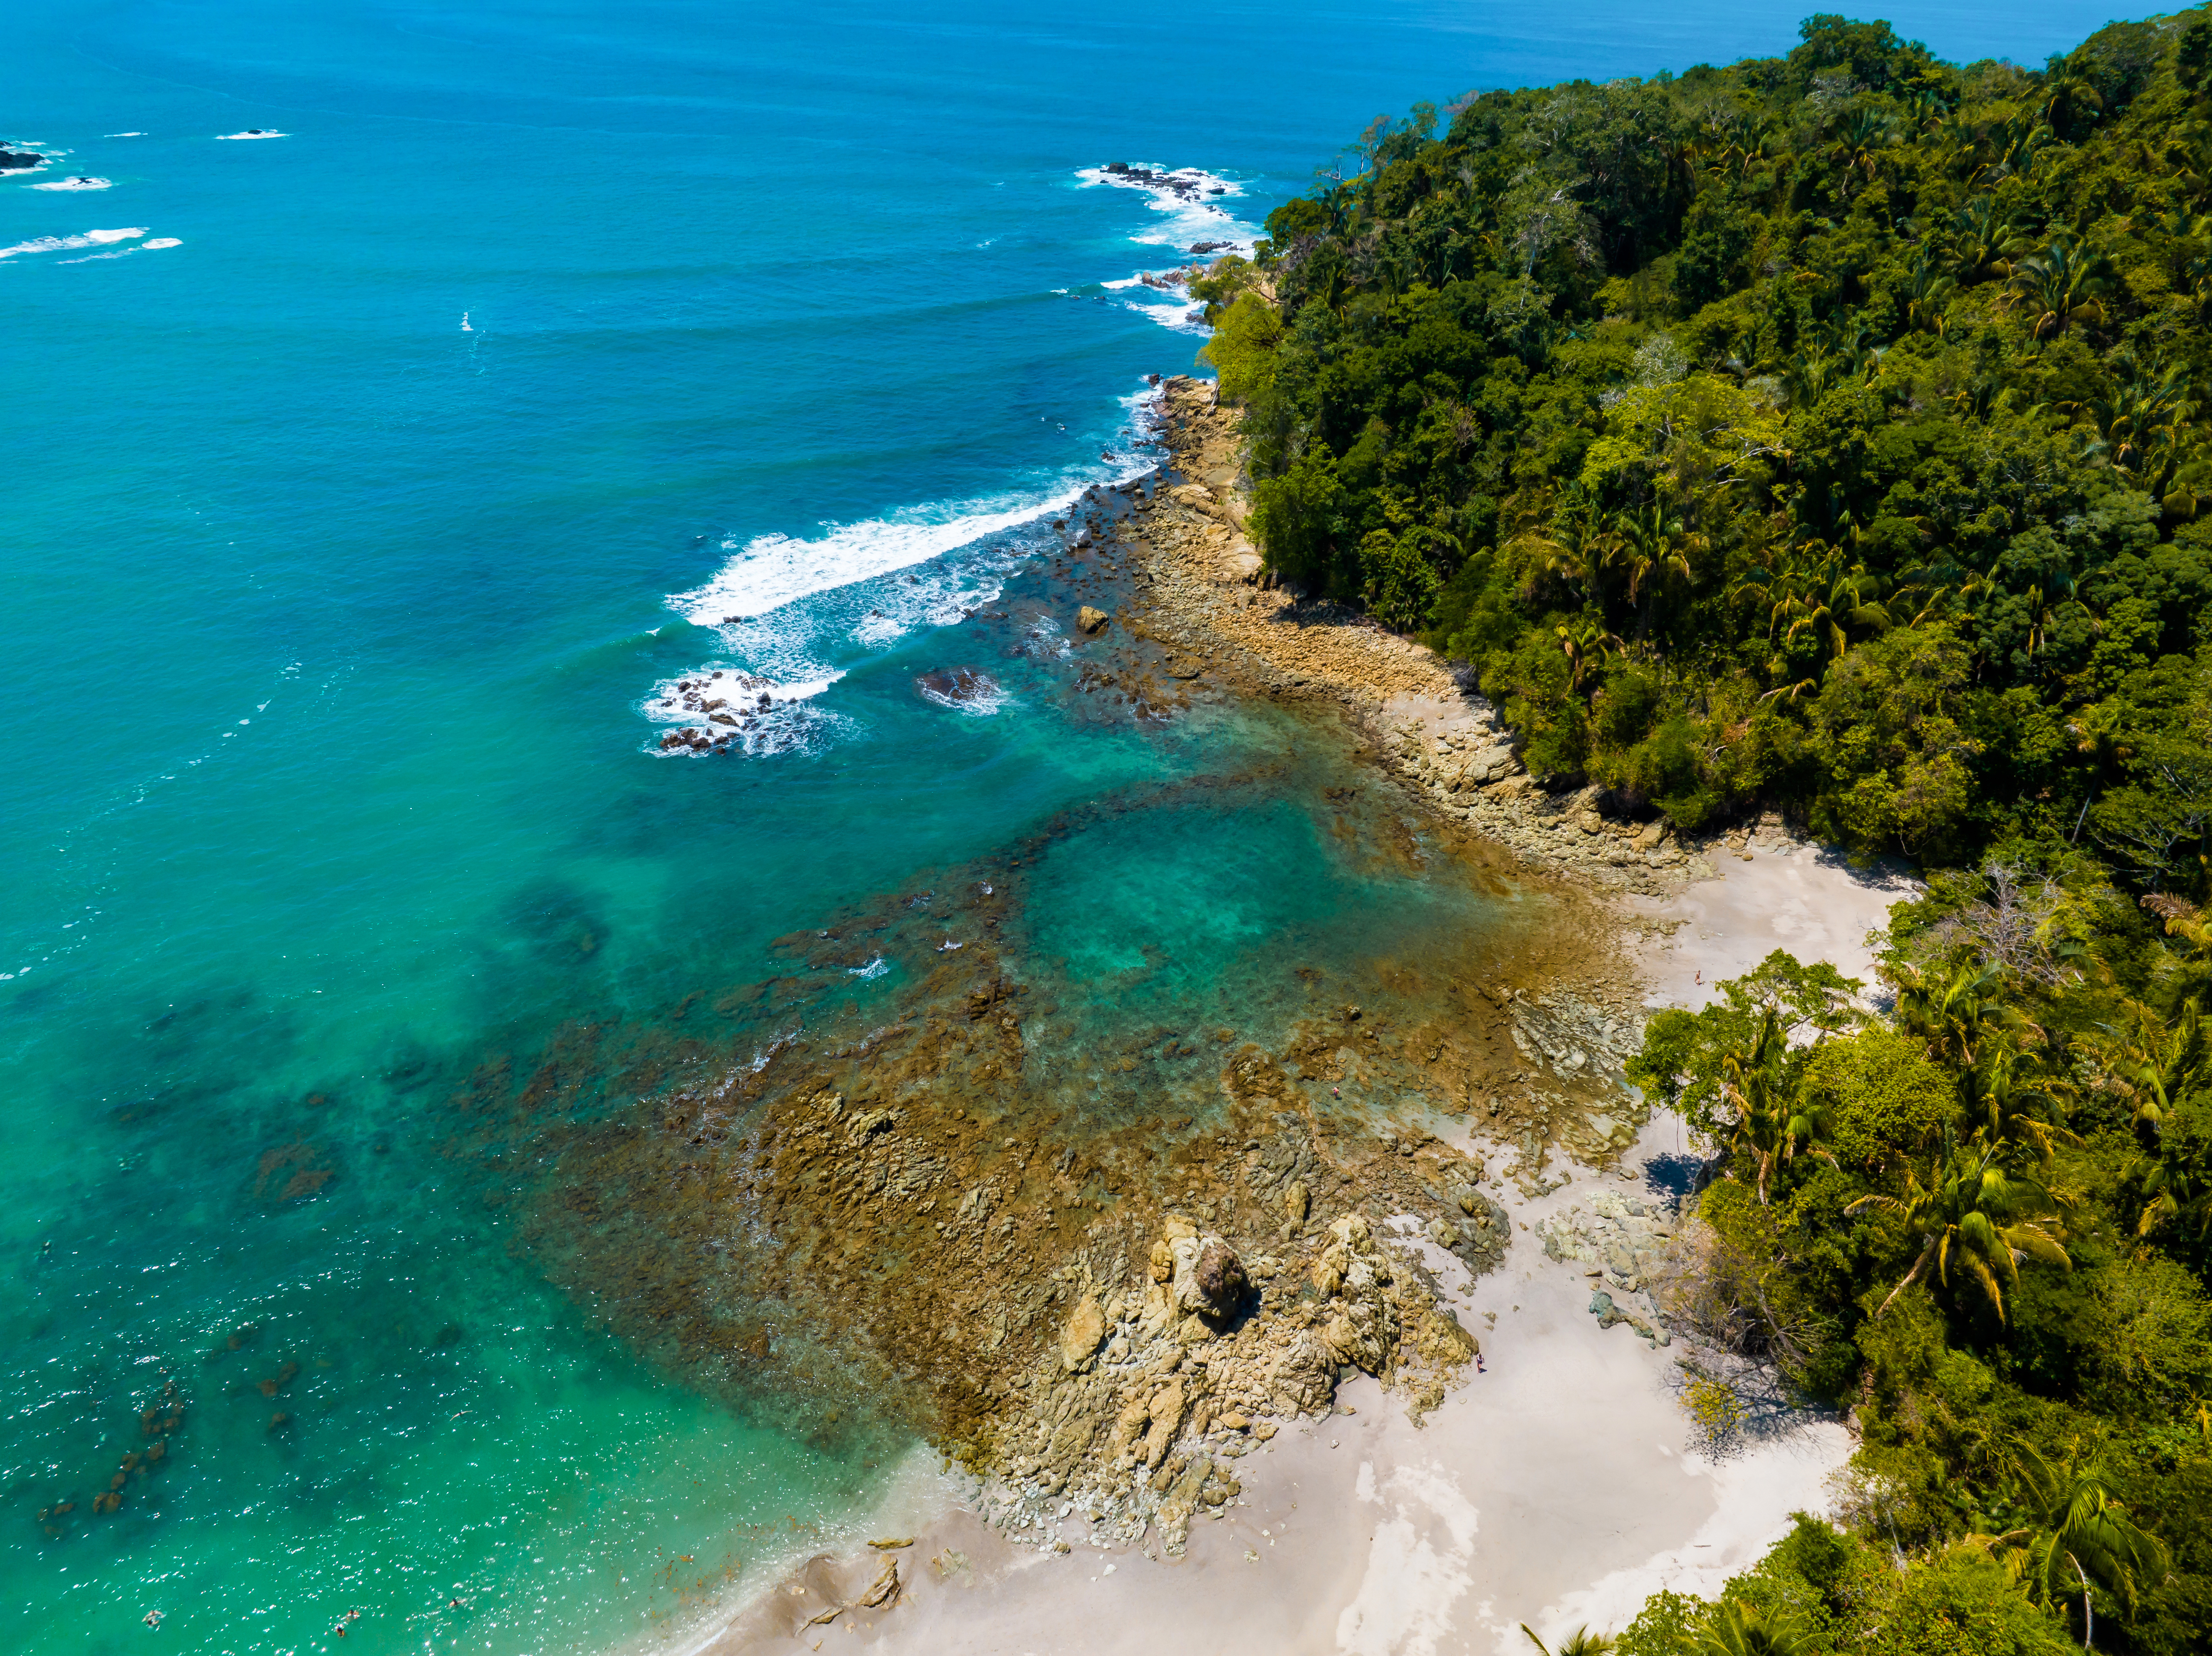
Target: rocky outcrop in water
959, 687
1186, 185
19, 161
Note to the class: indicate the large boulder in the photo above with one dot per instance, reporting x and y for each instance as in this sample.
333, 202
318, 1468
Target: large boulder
1492, 764
958, 686
1303, 1379
1353, 1275
1091, 621
1210, 1280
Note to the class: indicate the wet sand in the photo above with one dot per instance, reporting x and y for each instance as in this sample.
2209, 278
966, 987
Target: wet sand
1559, 1486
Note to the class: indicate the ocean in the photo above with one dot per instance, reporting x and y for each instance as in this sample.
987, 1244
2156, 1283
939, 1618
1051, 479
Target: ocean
406, 404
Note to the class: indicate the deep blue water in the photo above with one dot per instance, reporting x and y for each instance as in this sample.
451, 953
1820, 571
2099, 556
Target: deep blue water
364, 486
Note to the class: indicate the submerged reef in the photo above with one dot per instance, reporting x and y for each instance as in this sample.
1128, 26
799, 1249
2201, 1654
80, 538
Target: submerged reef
1095, 1253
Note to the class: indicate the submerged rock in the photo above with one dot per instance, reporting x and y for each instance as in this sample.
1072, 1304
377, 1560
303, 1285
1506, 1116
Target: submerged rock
958, 686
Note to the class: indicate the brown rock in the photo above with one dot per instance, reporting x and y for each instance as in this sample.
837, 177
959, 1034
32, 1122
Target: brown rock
1209, 1278
1166, 1412
1444, 1341
1222, 1280
1079, 1338
1092, 621
1129, 1425
1072, 1438
1303, 1379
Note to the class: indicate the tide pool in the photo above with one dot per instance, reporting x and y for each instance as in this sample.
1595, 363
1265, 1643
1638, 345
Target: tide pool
369, 485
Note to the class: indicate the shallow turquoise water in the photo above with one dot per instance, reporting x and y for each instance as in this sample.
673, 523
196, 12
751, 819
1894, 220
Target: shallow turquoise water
332, 624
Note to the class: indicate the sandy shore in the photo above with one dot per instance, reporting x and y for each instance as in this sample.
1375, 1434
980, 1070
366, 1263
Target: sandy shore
1560, 1486
1556, 1489
1560, 1483
1777, 892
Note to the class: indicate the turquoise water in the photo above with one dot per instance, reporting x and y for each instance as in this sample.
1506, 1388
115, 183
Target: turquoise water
367, 485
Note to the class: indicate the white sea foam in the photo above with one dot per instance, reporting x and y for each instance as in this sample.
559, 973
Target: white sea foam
256, 132
123, 134
1172, 311
64, 244
75, 183
775, 570
125, 253
874, 968
767, 715
784, 606
976, 695
942, 594
1189, 201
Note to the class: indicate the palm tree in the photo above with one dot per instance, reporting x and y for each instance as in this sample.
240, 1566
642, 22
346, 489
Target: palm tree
1925, 294
1831, 594
2070, 95
2079, 1534
1651, 542
2011, 1098
2048, 595
2013, 146
2063, 283
2188, 923
2177, 1190
1984, 240
1953, 1016
1577, 545
1581, 1642
1817, 593
1768, 1124
2139, 410
1862, 138
1741, 1629
1971, 1213
2159, 1064
1588, 646
2003, 1103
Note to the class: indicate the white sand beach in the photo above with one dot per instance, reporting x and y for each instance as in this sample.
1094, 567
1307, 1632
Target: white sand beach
1560, 1486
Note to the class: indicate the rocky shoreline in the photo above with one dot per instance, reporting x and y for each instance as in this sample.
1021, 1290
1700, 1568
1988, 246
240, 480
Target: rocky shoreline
1204, 592
1100, 1324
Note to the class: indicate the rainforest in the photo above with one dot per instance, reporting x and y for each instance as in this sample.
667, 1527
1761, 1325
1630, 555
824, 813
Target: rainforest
1826, 435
